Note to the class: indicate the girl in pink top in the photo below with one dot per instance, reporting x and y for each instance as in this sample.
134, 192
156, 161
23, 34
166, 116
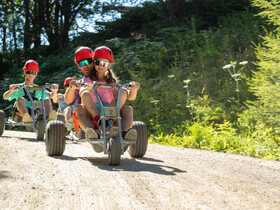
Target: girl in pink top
102, 61
105, 93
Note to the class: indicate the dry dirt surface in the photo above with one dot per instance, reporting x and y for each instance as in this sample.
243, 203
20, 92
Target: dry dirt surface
166, 178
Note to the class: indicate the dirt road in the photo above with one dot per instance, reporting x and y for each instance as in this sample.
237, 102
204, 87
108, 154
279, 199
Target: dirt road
166, 178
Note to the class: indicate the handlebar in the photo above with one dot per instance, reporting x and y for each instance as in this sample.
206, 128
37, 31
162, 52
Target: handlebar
47, 85
127, 86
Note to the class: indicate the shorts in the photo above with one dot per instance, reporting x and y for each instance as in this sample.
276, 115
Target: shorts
99, 108
62, 105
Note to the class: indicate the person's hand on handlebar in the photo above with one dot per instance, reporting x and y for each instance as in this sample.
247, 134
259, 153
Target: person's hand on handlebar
75, 84
54, 88
13, 88
134, 86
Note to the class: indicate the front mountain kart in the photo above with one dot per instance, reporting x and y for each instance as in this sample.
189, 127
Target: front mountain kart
38, 115
111, 141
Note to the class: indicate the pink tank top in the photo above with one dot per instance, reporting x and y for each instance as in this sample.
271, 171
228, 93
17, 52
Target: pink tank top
105, 94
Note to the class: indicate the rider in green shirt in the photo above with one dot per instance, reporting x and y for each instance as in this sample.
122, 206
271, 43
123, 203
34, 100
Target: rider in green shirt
23, 104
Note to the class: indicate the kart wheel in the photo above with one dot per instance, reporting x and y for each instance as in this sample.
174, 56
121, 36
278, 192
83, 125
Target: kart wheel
140, 147
60, 117
2, 122
114, 153
55, 138
40, 132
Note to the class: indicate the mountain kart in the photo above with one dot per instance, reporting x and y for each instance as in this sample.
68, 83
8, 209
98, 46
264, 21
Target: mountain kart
38, 115
110, 141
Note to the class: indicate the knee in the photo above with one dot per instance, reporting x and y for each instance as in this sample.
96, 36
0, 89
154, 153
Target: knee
21, 100
69, 109
127, 111
47, 102
79, 109
85, 95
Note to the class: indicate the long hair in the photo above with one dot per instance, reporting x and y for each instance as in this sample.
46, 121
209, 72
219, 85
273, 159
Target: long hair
109, 76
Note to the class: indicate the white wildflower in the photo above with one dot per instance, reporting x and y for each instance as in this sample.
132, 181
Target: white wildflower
243, 62
155, 101
227, 66
186, 81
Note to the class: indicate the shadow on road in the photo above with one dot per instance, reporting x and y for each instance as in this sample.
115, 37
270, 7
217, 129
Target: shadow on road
64, 157
3, 175
21, 138
135, 165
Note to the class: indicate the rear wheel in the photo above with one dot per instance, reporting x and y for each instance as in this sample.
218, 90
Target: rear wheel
55, 138
40, 132
140, 147
114, 153
2, 122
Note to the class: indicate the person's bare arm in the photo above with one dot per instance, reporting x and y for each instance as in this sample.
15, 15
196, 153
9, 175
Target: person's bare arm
13, 88
132, 93
57, 98
70, 93
54, 90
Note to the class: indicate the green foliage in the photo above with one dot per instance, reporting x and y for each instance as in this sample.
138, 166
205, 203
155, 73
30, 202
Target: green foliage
265, 81
164, 63
222, 138
154, 16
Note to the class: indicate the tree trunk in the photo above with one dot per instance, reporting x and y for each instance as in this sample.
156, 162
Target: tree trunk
27, 32
58, 20
5, 28
37, 22
13, 24
66, 13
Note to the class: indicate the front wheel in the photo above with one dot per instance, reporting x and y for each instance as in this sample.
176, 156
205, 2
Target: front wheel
139, 149
114, 153
2, 122
55, 138
40, 132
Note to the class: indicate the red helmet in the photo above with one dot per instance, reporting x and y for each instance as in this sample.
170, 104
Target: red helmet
31, 65
103, 52
83, 53
68, 80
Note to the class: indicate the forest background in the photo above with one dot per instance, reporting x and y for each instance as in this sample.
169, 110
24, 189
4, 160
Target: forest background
209, 69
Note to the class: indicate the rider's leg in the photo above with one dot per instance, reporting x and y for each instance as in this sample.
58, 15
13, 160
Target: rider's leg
49, 110
83, 117
21, 106
127, 117
48, 106
89, 106
127, 121
85, 122
67, 113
